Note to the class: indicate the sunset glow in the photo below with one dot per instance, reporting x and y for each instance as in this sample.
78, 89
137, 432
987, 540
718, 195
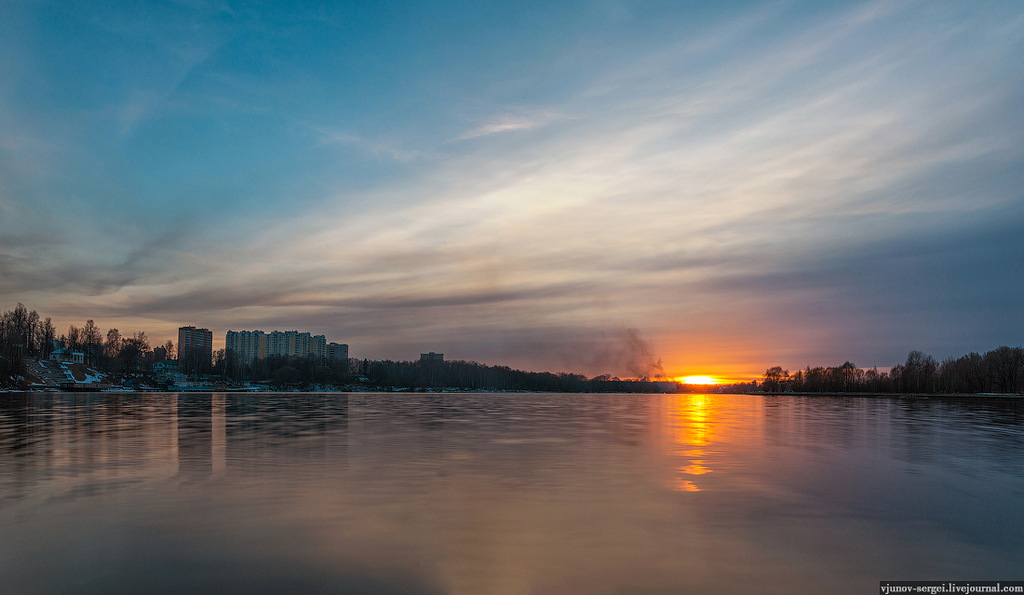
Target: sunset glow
697, 380
700, 189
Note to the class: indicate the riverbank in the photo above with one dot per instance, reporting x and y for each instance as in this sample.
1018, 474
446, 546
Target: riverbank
900, 395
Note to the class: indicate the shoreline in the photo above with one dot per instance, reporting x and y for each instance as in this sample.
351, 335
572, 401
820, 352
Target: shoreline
967, 396
899, 395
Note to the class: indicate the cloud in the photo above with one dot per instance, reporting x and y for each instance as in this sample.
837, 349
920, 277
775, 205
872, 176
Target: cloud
509, 122
373, 147
942, 288
773, 183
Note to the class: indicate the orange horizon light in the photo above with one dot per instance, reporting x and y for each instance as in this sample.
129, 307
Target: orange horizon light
697, 380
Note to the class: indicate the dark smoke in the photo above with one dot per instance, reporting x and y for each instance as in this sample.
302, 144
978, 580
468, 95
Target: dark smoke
614, 352
639, 359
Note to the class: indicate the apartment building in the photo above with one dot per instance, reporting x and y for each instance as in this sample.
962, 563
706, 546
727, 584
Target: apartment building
195, 345
248, 345
337, 351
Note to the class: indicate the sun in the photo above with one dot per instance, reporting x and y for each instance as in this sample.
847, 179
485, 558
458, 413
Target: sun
696, 380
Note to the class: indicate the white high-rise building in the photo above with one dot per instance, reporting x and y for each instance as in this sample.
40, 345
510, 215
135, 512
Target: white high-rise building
296, 344
246, 345
257, 344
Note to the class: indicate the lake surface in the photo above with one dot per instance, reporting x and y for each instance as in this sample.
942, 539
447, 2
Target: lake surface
505, 493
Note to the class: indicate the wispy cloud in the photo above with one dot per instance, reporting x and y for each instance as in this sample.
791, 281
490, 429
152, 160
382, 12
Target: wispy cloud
511, 121
742, 193
377, 148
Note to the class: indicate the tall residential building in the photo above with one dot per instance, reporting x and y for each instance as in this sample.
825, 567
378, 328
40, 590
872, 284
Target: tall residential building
195, 348
246, 345
296, 344
337, 351
257, 344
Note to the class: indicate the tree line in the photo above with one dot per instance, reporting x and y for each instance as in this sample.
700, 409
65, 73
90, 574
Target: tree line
476, 376
23, 333
998, 371
282, 371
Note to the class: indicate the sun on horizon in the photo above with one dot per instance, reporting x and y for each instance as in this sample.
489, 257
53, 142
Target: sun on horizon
697, 380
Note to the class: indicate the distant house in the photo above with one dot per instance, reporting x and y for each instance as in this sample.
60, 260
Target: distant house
431, 357
64, 354
166, 367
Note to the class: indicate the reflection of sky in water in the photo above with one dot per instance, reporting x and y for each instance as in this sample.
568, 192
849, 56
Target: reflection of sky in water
504, 493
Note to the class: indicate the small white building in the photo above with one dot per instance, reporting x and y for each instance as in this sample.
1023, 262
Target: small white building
166, 367
64, 354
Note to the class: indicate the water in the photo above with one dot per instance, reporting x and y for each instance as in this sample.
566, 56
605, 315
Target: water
511, 493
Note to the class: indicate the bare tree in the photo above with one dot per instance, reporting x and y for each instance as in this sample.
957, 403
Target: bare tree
73, 339
112, 348
775, 379
10, 347
47, 335
132, 352
92, 341
1006, 369
919, 374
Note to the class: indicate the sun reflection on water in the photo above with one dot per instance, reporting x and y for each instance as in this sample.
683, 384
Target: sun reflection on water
691, 430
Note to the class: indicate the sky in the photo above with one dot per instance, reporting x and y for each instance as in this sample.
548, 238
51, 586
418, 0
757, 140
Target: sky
631, 188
